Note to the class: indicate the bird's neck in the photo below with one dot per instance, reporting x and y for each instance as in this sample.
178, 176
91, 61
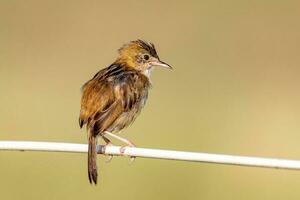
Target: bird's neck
130, 64
147, 72
125, 61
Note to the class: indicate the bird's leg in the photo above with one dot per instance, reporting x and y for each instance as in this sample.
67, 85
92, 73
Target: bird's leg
108, 143
129, 143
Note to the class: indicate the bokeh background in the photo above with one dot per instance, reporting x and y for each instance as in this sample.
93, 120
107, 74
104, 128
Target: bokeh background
234, 90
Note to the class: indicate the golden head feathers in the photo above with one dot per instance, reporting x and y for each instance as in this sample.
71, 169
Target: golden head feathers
140, 55
138, 46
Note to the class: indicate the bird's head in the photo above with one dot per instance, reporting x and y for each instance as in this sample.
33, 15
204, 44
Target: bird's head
141, 56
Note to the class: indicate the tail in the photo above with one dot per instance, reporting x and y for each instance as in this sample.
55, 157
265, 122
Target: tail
92, 160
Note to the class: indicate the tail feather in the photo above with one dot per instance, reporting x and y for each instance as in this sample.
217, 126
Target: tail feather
92, 160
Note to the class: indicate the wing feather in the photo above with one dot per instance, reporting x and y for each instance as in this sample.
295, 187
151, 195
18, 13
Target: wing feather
108, 95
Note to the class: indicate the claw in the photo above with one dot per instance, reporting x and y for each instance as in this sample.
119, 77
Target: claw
123, 148
132, 159
122, 151
110, 157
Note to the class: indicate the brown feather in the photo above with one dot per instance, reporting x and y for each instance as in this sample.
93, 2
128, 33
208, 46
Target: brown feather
92, 162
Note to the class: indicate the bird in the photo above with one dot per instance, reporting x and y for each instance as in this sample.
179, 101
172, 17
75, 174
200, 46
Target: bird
114, 97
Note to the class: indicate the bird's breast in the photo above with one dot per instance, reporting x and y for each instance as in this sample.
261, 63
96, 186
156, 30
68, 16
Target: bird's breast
134, 100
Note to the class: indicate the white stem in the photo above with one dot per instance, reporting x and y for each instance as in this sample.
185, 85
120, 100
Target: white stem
153, 153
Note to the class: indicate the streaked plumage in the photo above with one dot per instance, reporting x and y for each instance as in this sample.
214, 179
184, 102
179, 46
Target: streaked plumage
113, 98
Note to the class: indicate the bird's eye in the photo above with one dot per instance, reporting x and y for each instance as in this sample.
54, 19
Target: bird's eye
146, 57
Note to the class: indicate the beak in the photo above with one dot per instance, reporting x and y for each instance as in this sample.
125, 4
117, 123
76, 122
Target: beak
161, 64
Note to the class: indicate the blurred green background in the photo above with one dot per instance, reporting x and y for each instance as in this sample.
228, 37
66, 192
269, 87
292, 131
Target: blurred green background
234, 90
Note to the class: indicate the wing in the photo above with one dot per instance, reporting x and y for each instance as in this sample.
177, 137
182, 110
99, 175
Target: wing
97, 102
109, 94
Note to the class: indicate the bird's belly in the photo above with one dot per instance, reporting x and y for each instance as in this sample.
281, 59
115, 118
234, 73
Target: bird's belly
127, 118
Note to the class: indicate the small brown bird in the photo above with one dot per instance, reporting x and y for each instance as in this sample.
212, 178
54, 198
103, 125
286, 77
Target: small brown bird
114, 97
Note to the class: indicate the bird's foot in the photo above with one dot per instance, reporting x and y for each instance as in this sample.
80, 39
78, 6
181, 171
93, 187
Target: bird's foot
124, 140
123, 148
129, 144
